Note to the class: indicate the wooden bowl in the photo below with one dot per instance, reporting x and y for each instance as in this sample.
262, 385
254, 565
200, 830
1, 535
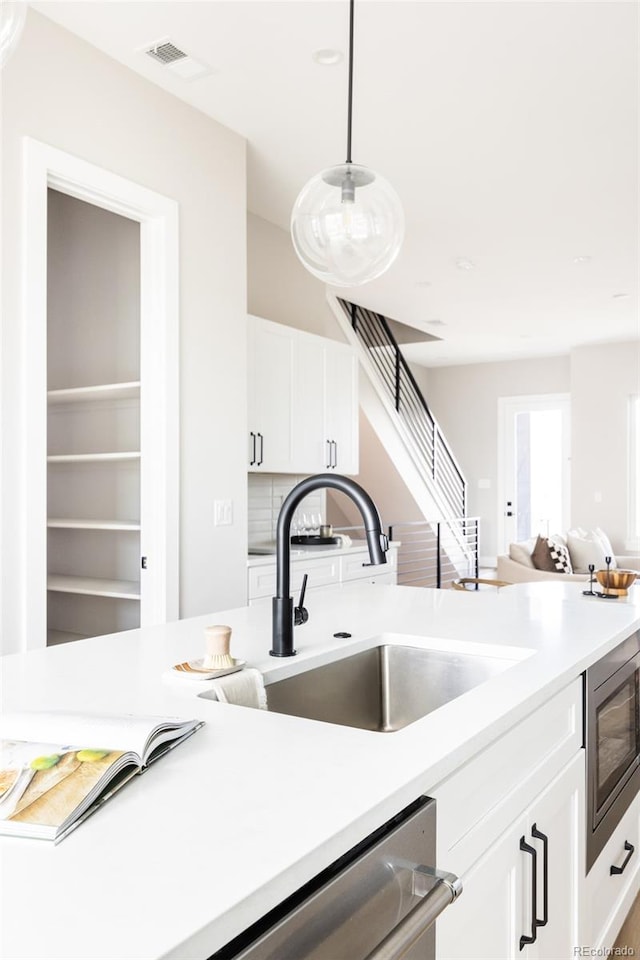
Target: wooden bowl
615, 582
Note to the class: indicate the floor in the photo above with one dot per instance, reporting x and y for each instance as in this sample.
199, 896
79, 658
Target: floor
629, 935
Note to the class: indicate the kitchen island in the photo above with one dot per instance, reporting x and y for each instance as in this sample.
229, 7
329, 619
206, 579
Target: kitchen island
257, 803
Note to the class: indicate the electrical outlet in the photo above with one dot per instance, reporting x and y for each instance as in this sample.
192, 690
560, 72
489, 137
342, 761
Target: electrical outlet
223, 513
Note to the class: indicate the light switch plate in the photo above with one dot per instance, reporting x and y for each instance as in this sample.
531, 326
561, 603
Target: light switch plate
223, 513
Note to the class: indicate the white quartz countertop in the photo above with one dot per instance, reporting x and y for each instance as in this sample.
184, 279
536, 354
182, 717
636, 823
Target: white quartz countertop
254, 804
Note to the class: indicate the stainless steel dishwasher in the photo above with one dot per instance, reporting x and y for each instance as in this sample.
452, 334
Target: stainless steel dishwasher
378, 902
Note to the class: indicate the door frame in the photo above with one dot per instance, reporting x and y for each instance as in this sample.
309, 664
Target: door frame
506, 407
43, 167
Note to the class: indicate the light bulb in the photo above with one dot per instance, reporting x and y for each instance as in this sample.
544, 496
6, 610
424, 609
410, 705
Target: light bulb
12, 17
347, 225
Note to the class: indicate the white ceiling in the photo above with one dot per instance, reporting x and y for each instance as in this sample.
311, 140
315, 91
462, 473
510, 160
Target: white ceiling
509, 129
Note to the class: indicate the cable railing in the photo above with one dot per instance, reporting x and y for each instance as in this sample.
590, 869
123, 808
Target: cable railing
432, 553
394, 373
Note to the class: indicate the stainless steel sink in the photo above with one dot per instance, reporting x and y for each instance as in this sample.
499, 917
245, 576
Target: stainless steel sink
384, 688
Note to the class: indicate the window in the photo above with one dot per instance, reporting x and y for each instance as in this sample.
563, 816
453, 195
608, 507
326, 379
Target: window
634, 473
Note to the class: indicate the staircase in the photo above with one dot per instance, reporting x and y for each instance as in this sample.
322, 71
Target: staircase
398, 411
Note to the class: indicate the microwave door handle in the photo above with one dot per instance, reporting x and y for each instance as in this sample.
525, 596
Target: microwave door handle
403, 936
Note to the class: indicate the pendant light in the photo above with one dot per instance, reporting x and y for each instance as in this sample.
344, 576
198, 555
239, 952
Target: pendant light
347, 224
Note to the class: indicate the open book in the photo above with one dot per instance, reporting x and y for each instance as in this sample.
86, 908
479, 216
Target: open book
57, 768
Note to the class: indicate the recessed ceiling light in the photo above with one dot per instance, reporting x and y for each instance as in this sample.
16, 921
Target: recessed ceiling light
463, 264
582, 259
621, 296
327, 57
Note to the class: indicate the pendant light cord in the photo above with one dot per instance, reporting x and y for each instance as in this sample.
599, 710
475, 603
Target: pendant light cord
350, 94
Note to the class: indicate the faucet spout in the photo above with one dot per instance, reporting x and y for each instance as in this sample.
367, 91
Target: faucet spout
282, 642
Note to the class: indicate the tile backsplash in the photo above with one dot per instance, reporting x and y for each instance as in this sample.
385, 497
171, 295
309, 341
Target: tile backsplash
266, 494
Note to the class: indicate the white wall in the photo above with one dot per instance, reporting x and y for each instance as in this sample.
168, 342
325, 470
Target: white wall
602, 379
464, 400
598, 379
60, 90
279, 288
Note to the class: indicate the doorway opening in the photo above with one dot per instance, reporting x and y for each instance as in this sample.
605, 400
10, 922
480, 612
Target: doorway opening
534, 467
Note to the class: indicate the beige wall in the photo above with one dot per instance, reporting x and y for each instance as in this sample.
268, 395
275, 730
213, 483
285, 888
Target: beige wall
599, 380
60, 90
464, 400
278, 286
602, 380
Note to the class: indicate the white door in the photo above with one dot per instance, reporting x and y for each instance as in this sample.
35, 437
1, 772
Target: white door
534, 463
147, 542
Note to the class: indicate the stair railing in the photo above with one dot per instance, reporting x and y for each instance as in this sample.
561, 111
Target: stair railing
394, 373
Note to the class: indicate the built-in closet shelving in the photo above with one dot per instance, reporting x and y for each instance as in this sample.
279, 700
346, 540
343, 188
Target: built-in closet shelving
93, 434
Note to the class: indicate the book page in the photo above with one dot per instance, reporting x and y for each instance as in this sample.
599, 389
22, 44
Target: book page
42, 784
118, 732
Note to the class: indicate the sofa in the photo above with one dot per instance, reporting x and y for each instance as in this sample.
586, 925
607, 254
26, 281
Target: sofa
573, 551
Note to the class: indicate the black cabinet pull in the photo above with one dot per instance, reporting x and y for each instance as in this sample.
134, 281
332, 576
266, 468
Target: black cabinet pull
630, 847
526, 848
329, 442
335, 453
252, 462
539, 835
261, 460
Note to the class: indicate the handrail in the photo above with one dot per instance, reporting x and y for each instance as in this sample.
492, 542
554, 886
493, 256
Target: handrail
433, 553
374, 333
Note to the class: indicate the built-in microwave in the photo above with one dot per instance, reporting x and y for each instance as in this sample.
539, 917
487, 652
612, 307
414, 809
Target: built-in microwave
612, 713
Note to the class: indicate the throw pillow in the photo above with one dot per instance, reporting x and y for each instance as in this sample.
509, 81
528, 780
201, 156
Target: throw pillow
551, 556
589, 547
585, 550
560, 557
521, 552
541, 555
606, 545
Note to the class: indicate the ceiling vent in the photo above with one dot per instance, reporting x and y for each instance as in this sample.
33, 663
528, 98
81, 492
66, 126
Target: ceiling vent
176, 60
166, 53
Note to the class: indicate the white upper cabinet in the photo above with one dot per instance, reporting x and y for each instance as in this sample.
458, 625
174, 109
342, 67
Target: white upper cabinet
303, 401
341, 407
270, 376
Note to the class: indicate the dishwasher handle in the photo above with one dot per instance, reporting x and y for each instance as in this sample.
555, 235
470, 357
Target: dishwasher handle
396, 945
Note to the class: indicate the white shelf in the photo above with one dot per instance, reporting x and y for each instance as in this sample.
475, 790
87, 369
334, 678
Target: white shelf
93, 587
62, 523
103, 391
55, 637
93, 457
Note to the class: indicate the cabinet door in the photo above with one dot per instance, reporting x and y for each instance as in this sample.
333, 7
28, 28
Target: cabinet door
558, 814
487, 920
270, 372
495, 910
341, 407
310, 447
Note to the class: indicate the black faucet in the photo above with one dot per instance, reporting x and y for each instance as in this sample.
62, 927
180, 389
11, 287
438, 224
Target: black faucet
378, 543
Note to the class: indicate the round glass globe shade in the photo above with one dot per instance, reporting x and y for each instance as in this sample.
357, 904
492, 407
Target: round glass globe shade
12, 17
347, 225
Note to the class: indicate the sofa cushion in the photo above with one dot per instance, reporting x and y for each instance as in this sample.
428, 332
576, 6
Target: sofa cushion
551, 556
586, 549
606, 544
521, 552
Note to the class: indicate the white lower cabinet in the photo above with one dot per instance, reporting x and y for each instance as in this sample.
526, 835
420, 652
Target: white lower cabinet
494, 917
324, 571
512, 817
608, 896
